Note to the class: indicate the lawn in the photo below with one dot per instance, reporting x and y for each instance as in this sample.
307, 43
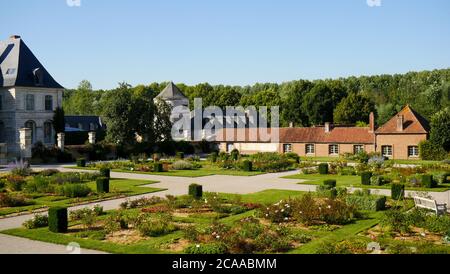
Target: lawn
354, 181
118, 188
202, 172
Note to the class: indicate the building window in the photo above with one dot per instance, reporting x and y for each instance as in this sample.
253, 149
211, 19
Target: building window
49, 103
30, 102
48, 132
2, 132
358, 149
334, 150
287, 148
413, 151
386, 151
31, 125
310, 149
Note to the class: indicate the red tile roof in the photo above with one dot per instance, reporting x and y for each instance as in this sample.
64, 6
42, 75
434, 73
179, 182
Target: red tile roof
414, 123
340, 135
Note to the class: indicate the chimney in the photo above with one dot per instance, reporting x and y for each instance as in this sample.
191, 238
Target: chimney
327, 127
291, 124
372, 122
14, 37
400, 122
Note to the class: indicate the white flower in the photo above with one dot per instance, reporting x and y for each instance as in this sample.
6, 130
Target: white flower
217, 237
301, 212
198, 246
282, 210
267, 215
286, 218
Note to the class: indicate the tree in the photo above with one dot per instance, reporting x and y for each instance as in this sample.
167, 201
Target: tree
318, 104
291, 111
440, 129
354, 108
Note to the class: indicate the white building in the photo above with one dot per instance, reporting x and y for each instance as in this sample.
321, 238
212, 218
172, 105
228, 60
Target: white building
28, 97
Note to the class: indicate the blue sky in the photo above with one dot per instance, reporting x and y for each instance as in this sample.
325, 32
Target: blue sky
229, 41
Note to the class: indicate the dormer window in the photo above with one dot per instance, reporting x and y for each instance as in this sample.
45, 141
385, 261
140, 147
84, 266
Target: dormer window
38, 77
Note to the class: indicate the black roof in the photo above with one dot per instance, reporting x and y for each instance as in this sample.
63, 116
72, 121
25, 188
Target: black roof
19, 66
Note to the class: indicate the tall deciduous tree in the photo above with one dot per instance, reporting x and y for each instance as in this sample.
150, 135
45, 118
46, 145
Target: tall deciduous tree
440, 129
354, 108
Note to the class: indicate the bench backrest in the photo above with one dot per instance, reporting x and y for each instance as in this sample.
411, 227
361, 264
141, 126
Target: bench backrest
427, 203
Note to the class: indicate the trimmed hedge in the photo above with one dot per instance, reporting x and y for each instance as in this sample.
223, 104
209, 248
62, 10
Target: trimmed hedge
247, 165
102, 185
398, 191
158, 167
57, 219
365, 178
329, 184
196, 191
367, 202
105, 172
323, 169
428, 181
81, 162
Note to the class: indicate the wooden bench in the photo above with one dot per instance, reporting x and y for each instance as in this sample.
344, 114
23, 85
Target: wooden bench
440, 209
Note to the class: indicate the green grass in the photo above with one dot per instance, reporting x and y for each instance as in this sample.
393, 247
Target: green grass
118, 188
414, 162
265, 197
202, 172
354, 181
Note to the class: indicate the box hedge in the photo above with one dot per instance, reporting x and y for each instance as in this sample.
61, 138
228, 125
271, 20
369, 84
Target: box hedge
81, 162
247, 165
365, 178
105, 172
398, 191
329, 184
428, 181
102, 185
57, 219
158, 167
196, 191
323, 169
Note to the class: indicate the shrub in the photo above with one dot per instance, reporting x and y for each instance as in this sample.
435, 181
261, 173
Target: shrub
196, 191
158, 167
37, 221
15, 182
428, 181
443, 178
293, 156
48, 172
74, 190
105, 172
235, 154
182, 165
8, 200
365, 178
247, 165
213, 157
77, 215
336, 212
367, 202
209, 249
329, 184
305, 209
398, 191
378, 181
102, 185
39, 184
141, 202
270, 162
57, 219
323, 169
430, 151
155, 226
20, 168
191, 233
81, 162
180, 155
396, 220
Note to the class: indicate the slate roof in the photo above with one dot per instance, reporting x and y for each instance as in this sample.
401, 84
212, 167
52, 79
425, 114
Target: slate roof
414, 123
315, 135
84, 121
171, 92
20, 67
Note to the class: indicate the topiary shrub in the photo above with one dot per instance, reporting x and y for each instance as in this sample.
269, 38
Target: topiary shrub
196, 191
81, 162
247, 165
57, 219
329, 184
365, 178
293, 156
323, 169
158, 167
102, 185
105, 172
428, 181
398, 191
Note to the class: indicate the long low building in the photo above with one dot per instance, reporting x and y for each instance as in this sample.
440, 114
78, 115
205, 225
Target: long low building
399, 138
